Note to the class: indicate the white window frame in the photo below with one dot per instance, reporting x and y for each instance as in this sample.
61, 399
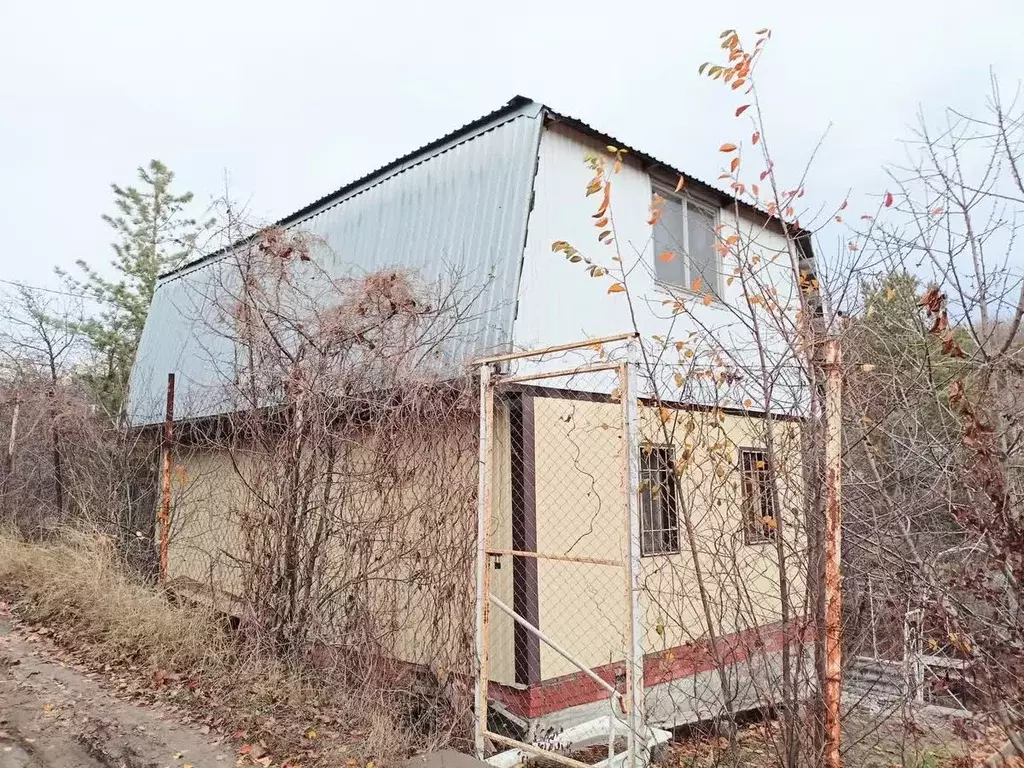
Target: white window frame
709, 208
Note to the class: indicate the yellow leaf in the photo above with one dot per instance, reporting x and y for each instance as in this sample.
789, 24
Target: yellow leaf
697, 283
707, 300
666, 256
666, 415
311, 733
679, 379
616, 288
890, 294
729, 281
727, 148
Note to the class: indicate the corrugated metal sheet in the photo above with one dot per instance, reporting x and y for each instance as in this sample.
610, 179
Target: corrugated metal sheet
459, 205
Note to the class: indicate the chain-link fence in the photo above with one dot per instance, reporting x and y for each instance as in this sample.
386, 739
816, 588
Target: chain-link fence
642, 560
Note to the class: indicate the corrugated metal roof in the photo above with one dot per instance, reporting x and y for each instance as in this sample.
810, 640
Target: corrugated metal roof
464, 212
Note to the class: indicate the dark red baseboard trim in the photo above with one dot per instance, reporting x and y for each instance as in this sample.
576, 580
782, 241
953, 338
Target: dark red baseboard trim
661, 667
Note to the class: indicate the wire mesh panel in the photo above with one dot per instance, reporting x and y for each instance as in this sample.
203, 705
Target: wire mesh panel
559, 509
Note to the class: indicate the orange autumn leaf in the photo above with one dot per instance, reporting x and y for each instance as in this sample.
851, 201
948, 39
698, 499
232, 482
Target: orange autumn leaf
734, 164
707, 300
602, 222
727, 148
738, 83
755, 189
741, 110
605, 200
697, 283
680, 183
616, 288
755, 138
666, 256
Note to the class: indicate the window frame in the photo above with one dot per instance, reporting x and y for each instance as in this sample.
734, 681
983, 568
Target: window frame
670, 536
754, 531
707, 207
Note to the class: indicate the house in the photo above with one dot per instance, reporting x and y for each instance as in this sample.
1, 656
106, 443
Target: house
487, 202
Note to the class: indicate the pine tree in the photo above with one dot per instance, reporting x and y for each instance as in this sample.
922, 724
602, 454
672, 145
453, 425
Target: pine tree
154, 234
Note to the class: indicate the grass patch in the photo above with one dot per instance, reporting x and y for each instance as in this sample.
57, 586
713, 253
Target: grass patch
186, 656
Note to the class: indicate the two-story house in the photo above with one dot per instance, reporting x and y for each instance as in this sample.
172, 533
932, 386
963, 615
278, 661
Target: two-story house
488, 201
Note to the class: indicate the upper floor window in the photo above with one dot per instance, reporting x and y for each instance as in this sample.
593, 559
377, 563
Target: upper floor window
686, 229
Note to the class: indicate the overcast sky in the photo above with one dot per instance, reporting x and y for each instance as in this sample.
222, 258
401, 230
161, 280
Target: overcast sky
290, 100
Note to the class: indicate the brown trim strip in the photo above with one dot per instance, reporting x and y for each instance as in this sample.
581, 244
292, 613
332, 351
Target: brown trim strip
525, 600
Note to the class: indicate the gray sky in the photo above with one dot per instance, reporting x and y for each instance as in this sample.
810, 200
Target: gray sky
291, 100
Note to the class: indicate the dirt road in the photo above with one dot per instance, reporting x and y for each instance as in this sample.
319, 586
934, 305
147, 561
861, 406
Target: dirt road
55, 716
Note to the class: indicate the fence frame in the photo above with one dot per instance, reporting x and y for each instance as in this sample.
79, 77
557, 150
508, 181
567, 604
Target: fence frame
632, 700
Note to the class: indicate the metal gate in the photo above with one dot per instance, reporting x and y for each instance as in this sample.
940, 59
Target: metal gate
558, 637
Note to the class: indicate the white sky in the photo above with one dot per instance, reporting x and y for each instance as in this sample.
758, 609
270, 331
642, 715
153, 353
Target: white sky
293, 99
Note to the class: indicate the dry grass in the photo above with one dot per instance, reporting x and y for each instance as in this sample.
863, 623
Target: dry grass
76, 584
184, 656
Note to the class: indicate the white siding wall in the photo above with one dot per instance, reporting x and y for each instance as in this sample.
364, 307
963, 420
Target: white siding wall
559, 302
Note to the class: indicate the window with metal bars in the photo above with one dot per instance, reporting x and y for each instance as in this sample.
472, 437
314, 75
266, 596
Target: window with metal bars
759, 520
659, 518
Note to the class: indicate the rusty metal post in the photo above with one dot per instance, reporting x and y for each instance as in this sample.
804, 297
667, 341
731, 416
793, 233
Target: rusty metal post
164, 516
833, 684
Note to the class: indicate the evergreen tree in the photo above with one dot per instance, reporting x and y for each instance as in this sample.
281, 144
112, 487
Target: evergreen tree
154, 234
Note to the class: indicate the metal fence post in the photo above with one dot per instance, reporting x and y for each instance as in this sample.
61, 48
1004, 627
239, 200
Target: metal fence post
164, 517
637, 745
483, 527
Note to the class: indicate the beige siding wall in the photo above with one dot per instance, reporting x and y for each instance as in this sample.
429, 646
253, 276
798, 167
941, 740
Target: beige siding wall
408, 567
581, 512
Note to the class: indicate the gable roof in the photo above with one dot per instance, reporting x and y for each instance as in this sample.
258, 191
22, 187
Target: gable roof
408, 213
